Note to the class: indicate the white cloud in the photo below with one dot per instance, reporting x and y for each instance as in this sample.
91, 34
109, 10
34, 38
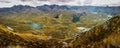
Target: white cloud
105, 2
9, 3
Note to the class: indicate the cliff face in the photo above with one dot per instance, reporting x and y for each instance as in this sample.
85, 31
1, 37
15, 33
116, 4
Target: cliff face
101, 36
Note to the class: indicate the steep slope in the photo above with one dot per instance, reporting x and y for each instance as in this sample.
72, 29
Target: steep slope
9, 39
102, 36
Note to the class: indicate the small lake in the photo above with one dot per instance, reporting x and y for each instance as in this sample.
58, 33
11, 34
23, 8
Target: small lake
34, 25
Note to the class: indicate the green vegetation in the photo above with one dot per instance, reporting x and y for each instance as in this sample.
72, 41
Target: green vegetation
104, 36
39, 29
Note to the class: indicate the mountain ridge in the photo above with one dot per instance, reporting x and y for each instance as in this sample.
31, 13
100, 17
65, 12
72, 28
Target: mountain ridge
45, 8
101, 36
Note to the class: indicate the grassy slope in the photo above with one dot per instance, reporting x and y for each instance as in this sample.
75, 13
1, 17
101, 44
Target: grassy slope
11, 39
101, 36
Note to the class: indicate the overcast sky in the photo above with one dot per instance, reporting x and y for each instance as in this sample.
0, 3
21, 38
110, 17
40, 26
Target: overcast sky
9, 3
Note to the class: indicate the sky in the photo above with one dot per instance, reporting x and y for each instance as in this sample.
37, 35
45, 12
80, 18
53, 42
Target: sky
10, 3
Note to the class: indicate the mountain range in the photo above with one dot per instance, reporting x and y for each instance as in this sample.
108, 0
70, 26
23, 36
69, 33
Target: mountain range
60, 26
112, 10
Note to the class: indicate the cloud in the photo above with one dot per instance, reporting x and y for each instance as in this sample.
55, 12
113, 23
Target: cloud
9, 3
48, 0
88, 1
104, 2
64, 0
4, 1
